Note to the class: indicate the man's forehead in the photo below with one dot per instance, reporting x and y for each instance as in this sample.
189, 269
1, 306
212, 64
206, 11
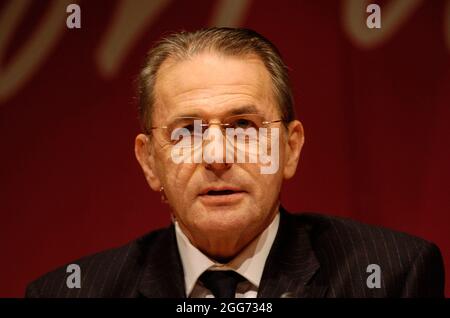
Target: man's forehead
214, 67
210, 77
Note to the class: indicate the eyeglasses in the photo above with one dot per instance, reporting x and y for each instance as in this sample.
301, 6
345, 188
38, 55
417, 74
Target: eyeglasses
244, 127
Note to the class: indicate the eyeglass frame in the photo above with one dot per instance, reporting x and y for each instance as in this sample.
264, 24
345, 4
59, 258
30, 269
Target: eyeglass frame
223, 126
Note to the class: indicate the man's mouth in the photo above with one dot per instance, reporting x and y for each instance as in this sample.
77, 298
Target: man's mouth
220, 191
221, 195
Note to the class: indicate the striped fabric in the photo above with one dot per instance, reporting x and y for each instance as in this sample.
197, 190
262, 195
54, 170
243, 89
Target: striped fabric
313, 256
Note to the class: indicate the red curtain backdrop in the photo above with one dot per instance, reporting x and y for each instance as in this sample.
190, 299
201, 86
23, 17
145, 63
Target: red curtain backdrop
376, 115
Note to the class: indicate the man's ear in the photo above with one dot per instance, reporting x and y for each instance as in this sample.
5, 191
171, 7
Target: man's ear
145, 156
295, 140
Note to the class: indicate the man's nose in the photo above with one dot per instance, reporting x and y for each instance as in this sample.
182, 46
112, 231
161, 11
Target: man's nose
215, 150
217, 166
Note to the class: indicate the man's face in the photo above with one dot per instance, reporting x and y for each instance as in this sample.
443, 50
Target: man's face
220, 207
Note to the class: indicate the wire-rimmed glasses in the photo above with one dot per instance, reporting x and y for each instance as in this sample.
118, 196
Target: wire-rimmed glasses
186, 132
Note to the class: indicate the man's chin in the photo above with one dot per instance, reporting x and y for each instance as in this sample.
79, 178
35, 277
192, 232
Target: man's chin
224, 219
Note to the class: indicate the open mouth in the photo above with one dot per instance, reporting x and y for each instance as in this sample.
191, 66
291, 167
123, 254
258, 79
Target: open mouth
220, 192
221, 195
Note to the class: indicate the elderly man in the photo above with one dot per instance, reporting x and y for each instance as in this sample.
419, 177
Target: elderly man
219, 137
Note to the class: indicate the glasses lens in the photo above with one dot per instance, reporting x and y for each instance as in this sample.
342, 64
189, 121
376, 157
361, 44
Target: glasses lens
244, 121
185, 132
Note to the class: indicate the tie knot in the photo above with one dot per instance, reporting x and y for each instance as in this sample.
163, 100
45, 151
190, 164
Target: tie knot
221, 283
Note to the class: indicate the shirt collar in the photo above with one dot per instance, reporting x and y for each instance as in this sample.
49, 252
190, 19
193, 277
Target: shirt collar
249, 263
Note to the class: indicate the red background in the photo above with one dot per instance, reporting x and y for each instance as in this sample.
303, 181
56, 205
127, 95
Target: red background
376, 120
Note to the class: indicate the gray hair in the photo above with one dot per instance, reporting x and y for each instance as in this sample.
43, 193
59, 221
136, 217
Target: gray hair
228, 41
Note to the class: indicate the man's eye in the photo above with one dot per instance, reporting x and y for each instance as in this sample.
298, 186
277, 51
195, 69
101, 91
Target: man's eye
243, 123
189, 127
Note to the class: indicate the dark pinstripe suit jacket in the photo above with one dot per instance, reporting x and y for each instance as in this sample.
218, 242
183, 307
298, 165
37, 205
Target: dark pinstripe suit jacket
312, 256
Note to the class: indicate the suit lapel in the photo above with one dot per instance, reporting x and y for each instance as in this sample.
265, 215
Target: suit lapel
163, 275
292, 264
290, 271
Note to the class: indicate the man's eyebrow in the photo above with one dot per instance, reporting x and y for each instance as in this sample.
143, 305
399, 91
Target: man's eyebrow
193, 114
247, 109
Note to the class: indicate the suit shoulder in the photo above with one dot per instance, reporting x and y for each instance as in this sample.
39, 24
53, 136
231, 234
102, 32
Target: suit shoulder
108, 273
348, 249
346, 229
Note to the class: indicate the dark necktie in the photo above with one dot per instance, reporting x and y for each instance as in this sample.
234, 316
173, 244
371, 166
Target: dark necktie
221, 283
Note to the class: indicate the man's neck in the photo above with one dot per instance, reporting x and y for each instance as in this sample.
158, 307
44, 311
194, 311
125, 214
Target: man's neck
249, 262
